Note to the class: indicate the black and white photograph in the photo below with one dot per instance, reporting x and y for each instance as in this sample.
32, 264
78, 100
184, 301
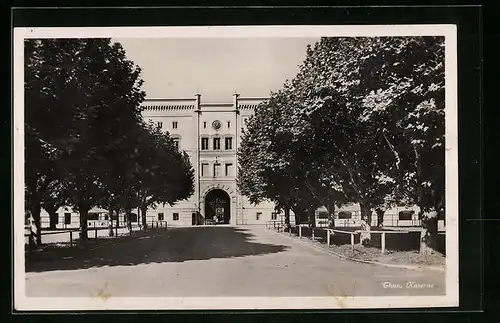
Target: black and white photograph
283, 167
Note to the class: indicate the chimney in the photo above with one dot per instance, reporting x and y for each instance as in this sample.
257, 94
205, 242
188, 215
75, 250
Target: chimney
235, 100
197, 104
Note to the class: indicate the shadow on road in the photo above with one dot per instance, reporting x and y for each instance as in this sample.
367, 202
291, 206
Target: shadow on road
173, 245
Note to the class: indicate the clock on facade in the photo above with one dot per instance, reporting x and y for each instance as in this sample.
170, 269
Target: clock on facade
216, 124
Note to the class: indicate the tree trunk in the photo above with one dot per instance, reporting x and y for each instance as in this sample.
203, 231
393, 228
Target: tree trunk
36, 209
287, 219
380, 217
84, 211
144, 210
128, 218
366, 220
287, 216
331, 215
311, 215
117, 219
110, 222
297, 217
428, 235
53, 217
51, 209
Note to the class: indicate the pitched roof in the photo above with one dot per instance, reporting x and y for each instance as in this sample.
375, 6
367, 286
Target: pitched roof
97, 210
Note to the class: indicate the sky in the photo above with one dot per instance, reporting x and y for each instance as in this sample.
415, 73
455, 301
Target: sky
215, 67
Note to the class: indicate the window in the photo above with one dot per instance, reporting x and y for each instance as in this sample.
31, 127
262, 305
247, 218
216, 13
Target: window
174, 124
216, 144
106, 217
406, 215
258, 215
229, 124
216, 170
93, 216
175, 216
204, 124
176, 142
229, 169
67, 218
160, 217
229, 143
322, 215
345, 215
204, 169
274, 216
204, 143
160, 124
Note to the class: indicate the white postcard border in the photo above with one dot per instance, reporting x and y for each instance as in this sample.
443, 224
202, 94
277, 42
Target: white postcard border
24, 303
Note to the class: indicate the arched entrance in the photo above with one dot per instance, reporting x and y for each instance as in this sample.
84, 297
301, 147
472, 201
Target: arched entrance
218, 206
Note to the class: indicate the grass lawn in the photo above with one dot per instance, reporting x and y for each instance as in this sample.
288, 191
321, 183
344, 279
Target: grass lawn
390, 256
406, 244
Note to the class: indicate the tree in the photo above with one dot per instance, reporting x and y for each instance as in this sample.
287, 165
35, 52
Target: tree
109, 97
157, 182
76, 90
360, 92
409, 99
361, 122
48, 121
266, 160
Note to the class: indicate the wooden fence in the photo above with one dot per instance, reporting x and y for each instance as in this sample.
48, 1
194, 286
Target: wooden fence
68, 236
298, 230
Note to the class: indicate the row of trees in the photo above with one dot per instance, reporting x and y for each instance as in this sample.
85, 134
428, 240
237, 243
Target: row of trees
86, 143
362, 122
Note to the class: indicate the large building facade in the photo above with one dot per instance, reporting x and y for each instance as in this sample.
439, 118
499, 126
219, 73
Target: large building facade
210, 133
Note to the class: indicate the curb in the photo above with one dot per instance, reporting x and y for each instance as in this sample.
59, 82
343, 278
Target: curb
409, 267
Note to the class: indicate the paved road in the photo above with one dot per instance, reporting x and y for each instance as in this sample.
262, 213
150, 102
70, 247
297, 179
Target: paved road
218, 261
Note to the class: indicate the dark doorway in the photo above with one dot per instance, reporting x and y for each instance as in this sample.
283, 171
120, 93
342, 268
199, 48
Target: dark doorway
193, 219
217, 206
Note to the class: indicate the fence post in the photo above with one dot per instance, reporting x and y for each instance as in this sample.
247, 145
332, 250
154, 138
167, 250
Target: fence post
328, 237
300, 231
71, 238
383, 242
352, 240
156, 225
312, 233
95, 230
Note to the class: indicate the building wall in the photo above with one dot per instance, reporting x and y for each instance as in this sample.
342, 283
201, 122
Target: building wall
70, 219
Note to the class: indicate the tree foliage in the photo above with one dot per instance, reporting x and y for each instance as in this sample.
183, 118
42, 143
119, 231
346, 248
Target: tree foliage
86, 143
361, 122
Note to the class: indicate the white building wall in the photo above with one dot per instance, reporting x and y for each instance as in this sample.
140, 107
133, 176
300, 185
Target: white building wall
70, 219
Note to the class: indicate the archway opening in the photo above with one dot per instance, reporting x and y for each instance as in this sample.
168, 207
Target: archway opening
218, 206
